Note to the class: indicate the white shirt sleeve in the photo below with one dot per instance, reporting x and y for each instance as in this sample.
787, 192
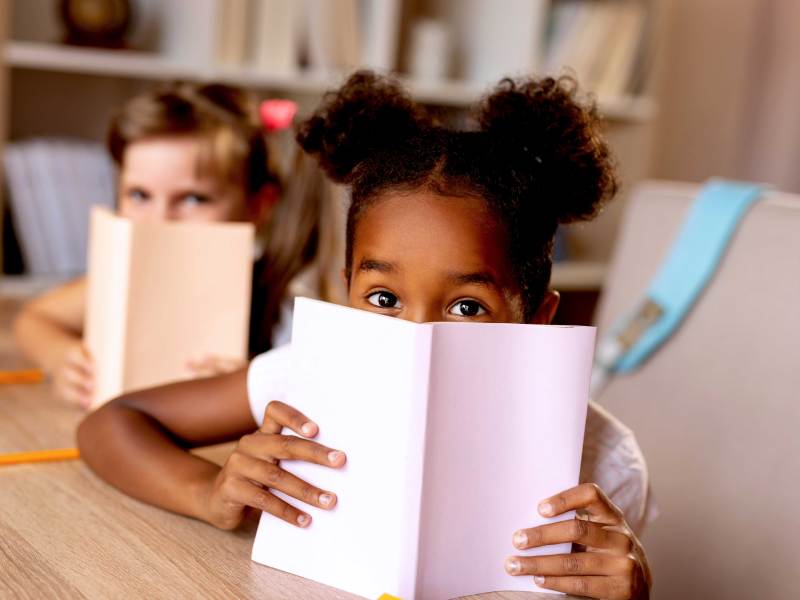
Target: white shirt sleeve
613, 460
267, 380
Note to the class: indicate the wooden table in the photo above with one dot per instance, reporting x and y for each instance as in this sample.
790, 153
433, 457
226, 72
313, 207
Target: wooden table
64, 533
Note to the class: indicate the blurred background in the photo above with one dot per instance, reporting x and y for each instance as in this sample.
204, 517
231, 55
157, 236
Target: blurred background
688, 89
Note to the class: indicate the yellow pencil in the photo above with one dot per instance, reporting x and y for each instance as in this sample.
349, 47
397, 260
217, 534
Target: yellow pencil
16, 458
24, 376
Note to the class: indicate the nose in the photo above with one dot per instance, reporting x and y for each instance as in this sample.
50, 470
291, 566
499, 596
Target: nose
152, 212
171, 213
164, 210
421, 313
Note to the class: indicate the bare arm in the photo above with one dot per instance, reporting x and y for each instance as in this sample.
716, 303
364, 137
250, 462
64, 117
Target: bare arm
48, 330
49, 326
139, 443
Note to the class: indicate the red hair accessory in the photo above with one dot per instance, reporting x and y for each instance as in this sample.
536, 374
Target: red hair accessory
277, 114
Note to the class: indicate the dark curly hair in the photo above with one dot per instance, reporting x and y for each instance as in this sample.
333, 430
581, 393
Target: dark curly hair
536, 157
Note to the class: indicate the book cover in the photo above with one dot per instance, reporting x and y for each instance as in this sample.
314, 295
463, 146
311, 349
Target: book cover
454, 432
161, 294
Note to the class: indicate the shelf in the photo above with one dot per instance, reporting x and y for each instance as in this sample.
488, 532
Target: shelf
144, 65
575, 276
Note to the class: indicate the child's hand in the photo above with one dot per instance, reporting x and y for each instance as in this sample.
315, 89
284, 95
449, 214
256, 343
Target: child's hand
613, 564
253, 469
73, 379
210, 365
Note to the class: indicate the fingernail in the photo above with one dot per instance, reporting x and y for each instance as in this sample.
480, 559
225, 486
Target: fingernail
334, 456
326, 499
520, 539
512, 566
538, 580
307, 429
546, 509
303, 520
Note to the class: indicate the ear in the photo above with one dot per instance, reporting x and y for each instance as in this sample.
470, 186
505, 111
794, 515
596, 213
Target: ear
547, 309
345, 279
260, 205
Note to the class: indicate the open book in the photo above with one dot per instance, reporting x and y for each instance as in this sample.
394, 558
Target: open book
453, 431
161, 294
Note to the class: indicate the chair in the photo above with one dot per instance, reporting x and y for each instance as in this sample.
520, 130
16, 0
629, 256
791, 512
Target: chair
717, 408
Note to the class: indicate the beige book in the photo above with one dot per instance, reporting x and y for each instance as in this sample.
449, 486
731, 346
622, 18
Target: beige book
334, 35
232, 24
274, 36
616, 77
161, 294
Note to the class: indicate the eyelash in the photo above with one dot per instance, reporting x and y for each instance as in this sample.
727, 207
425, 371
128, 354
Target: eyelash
197, 199
138, 195
378, 293
481, 309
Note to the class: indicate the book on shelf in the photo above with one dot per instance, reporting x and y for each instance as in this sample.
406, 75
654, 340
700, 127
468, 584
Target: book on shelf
188, 30
454, 432
52, 185
22, 202
380, 25
231, 43
275, 35
162, 294
615, 76
600, 42
495, 39
333, 35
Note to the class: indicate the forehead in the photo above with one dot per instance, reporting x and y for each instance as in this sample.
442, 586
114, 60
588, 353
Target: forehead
174, 157
423, 229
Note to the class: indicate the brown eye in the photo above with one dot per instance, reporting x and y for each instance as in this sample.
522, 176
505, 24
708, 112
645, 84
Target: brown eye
383, 300
467, 308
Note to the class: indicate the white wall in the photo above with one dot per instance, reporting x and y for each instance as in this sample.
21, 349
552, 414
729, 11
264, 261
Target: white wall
728, 91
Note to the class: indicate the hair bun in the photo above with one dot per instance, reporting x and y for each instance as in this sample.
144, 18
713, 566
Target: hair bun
542, 122
368, 114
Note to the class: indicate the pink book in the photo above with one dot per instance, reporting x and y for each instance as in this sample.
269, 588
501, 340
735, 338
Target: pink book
160, 294
454, 432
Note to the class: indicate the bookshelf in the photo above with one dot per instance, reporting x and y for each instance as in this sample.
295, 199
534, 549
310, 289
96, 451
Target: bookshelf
55, 58
59, 90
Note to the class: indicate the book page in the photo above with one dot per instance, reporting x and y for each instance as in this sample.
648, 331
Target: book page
506, 418
190, 291
106, 300
363, 379
161, 294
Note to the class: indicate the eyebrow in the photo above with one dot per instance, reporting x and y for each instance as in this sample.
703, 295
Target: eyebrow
483, 278
382, 266
478, 278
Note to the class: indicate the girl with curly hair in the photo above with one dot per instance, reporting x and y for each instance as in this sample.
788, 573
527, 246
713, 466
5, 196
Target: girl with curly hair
444, 225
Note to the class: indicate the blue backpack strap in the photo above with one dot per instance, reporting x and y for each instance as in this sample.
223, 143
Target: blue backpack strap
690, 265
